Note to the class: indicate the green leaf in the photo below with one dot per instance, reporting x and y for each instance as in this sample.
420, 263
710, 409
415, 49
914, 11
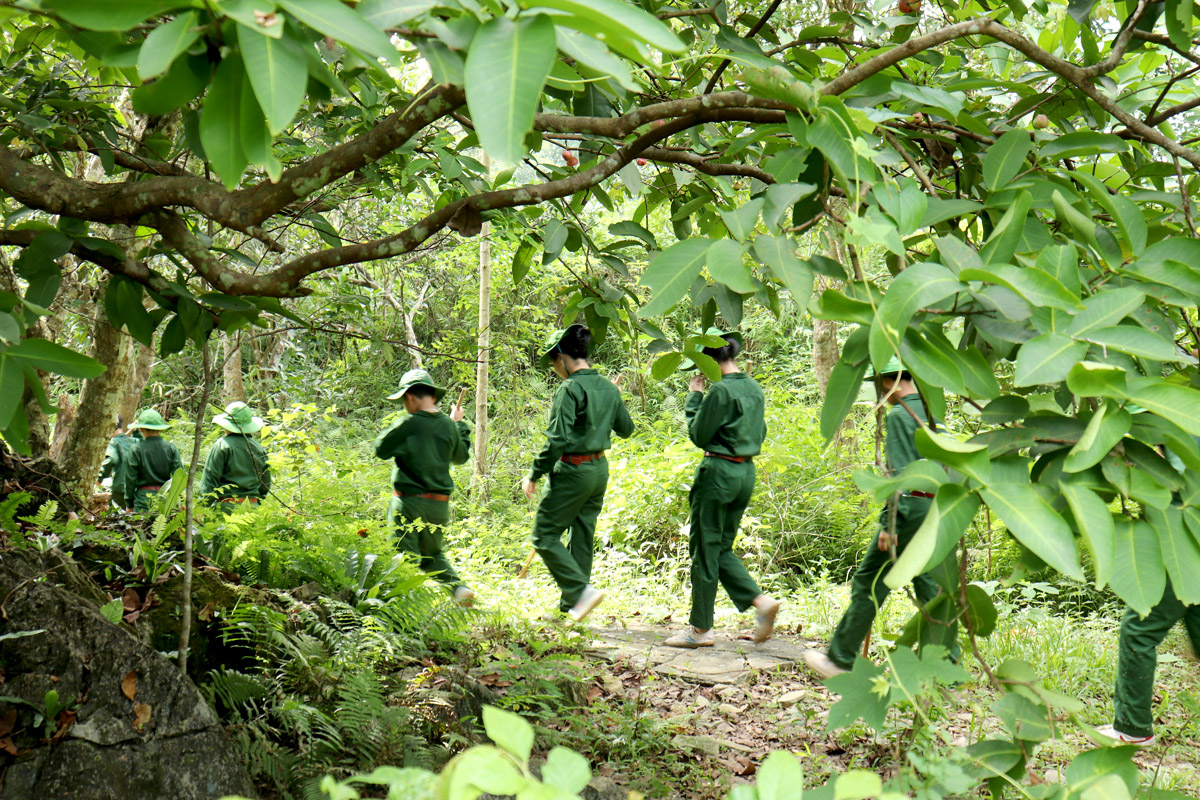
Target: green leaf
865, 693
940, 210
1175, 274
672, 272
184, 82
521, 261
741, 221
391, 13
617, 21
1005, 158
1139, 577
931, 364
1134, 341
12, 386
567, 770
630, 228
332, 18
981, 610
278, 75
1091, 766
506, 71
165, 43
969, 459
951, 512
855, 784
1179, 404
10, 328
1083, 143
509, 731
1104, 310
1107, 426
1180, 552
845, 383
724, 262
1095, 526
51, 357
665, 365
780, 777
920, 476
1024, 719
107, 15
220, 125
256, 139
829, 134
1037, 526
917, 287
980, 379
1048, 359
1006, 237
258, 15
446, 66
1036, 286
779, 253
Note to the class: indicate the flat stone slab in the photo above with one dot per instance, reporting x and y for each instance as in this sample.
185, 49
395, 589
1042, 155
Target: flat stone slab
726, 662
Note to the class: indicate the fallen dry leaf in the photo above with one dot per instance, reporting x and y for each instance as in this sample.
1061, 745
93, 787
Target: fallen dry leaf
141, 716
129, 685
8, 722
66, 718
7, 746
131, 600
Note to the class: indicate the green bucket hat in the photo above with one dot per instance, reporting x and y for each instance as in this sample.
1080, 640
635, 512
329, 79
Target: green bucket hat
550, 347
150, 420
417, 377
893, 367
238, 418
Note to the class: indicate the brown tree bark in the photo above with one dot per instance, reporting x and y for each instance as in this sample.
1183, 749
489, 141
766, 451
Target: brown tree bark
234, 387
825, 352
98, 402
141, 364
479, 474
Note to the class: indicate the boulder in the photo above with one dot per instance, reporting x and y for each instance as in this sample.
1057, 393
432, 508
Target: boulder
134, 727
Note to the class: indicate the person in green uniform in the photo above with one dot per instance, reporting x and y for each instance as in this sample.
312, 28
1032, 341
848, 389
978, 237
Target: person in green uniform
587, 409
116, 463
152, 461
423, 445
727, 425
236, 470
900, 518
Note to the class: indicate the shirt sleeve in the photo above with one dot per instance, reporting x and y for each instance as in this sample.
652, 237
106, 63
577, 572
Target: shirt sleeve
387, 444
462, 443
622, 423
562, 419
901, 447
264, 476
214, 468
112, 457
706, 413
133, 473
176, 460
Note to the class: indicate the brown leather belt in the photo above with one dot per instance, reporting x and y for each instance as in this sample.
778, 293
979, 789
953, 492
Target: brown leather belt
151, 488
426, 495
239, 499
734, 459
922, 494
581, 458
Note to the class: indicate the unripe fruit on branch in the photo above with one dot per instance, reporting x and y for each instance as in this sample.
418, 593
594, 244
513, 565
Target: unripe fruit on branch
570, 158
1041, 121
910, 6
641, 162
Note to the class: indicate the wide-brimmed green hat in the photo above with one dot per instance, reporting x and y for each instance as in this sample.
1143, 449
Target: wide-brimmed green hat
550, 347
417, 377
893, 367
238, 418
150, 420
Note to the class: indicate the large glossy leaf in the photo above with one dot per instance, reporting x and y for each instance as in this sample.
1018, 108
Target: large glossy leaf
220, 124
346, 25
1005, 158
616, 20
278, 75
165, 43
951, 512
1104, 310
1180, 552
845, 383
671, 273
1095, 526
978, 374
12, 386
920, 476
917, 287
390, 13
1036, 286
184, 82
1047, 359
968, 458
725, 264
1138, 574
506, 70
1037, 526
1083, 143
1134, 341
51, 357
1106, 427
1179, 404
931, 364
108, 15
779, 253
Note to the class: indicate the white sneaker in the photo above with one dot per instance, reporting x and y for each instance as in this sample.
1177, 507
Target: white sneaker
587, 601
1124, 738
691, 638
820, 663
464, 596
764, 620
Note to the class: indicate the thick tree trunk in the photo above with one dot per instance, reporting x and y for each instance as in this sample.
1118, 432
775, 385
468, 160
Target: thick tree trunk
98, 403
63, 421
141, 364
235, 388
825, 351
480, 472
270, 367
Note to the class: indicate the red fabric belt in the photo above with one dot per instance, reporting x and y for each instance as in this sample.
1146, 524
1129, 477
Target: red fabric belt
239, 499
580, 458
426, 495
151, 488
734, 459
922, 494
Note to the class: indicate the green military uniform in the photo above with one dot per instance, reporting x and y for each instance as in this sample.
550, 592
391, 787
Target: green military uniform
236, 470
116, 466
867, 589
1137, 658
152, 462
423, 445
586, 410
727, 424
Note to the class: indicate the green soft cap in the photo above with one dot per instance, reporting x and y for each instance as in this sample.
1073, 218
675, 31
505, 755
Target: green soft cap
150, 420
417, 377
239, 418
550, 346
893, 367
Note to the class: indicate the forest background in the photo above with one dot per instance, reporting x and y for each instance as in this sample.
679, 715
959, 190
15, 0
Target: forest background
289, 203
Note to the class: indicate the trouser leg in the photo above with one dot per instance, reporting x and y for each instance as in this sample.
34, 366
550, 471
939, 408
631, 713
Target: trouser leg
1137, 658
944, 629
143, 498
570, 489
581, 544
720, 493
734, 576
867, 593
419, 524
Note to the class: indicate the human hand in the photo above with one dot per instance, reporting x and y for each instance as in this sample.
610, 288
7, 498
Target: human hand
617, 380
885, 541
456, 413
696, 384
529, 487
